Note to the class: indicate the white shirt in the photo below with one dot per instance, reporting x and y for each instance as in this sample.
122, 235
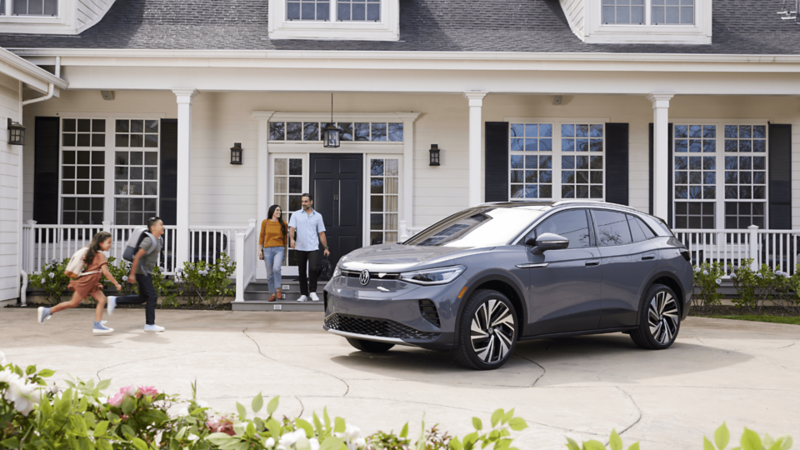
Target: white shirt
308, 228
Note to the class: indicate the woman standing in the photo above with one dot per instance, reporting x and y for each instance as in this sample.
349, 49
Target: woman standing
272, 246
89, 284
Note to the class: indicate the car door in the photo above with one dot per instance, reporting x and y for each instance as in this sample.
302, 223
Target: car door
564, 289
629, 256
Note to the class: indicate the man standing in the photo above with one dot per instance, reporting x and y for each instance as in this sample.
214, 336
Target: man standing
141, 273
310, 230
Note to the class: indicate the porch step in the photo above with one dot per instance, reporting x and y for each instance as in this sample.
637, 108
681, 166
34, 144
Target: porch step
257, 294
278, 306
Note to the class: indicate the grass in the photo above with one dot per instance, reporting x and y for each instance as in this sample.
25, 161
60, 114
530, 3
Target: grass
755, 318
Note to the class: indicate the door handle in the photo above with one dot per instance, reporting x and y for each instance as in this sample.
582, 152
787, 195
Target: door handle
649, 257
532, 266
593, 262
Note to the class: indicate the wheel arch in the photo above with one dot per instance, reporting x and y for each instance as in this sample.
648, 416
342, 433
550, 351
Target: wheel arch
667, 279
503, 283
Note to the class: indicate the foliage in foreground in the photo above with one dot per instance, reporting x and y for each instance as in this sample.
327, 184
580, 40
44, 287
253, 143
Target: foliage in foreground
754, 287
34, 415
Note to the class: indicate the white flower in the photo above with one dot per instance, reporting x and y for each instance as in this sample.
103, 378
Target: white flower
360, 442
289, 439
124, 278
52, 275
314, 443
183, 412
351, 432
54, 389
705, 272
719, 281
270, 442
697, 270
53, 261
759, 275
203, 272
2, 359
193, 437
18, 392
202, 404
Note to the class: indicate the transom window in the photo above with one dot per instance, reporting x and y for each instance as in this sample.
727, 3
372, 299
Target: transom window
343, 10
661, 12
351, 131
29, 7
550, 161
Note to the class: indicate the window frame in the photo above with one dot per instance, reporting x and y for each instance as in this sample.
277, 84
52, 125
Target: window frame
599, 33
63, 23
386, 29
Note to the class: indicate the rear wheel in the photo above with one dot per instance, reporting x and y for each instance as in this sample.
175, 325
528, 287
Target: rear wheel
370, 346
487, 331
659, 319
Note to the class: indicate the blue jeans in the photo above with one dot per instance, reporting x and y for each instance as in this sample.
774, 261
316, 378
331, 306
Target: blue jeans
273, 259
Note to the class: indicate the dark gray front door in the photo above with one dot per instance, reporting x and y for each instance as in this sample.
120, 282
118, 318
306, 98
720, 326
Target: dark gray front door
337, 186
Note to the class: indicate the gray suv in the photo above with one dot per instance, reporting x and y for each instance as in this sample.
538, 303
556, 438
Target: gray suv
482, 279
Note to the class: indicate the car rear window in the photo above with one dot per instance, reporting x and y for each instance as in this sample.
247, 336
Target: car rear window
639, 230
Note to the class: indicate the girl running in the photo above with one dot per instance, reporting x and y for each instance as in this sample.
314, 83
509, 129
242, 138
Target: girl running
89, 284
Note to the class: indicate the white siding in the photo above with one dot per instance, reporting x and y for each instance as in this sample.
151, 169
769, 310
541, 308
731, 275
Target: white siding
574, 10
9, 192
90, 12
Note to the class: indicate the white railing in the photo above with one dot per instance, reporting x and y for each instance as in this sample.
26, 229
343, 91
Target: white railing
208, 242
246, 249
779, 249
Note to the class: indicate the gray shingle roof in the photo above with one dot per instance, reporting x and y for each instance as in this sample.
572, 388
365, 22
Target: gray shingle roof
739, 27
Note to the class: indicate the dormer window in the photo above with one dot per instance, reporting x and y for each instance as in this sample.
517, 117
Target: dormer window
66, 17
366, 20
48, 8
673, 12
641, 21
662, 12
623, 11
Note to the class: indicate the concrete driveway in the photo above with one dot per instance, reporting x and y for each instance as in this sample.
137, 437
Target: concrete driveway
745, 373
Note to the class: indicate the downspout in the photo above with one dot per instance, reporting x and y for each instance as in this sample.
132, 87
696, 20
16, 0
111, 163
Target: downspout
50, 87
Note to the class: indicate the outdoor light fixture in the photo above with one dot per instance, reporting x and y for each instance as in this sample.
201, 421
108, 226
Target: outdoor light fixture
332, 134
434, 155
236, 154
16, 133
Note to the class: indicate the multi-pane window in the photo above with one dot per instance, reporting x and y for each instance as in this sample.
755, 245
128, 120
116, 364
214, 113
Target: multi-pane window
383, 200
82, 171
672, 12
695, 175
363, 10
288, 192
308, 9
136, 169
582, 160
745, 175
623, 12
531, 161
32, 7
358, 131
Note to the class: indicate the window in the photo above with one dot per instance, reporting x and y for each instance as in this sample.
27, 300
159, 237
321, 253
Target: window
673, 12
358, 10
135, 171
639, 230
383, 200
287, 190
357, 20
346, 10
308, 9
351, 131
82, 171
32, 7
612, 228
576, 149
623, 11
723, 172
569, 224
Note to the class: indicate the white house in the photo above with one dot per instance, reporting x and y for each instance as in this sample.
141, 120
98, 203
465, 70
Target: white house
686, 109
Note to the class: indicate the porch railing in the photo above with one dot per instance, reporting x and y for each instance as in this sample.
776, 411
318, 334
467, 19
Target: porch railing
779, 249
246, 249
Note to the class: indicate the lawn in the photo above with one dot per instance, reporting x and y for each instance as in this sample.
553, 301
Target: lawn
793, 320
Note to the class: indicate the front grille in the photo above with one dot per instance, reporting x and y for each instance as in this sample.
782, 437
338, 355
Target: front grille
372, 275
376, 327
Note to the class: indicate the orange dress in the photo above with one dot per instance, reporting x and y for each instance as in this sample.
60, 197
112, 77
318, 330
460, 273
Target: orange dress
90, 284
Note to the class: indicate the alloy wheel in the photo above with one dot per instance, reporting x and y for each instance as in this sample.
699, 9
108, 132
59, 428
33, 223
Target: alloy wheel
662, 316
492, 331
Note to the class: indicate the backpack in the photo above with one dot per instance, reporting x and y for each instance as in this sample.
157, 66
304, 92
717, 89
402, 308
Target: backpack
134, 241
76, 265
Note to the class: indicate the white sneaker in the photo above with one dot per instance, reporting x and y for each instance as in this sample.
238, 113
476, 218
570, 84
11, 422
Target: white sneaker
112, 303
314, 297
153, 328
302, 298
100, 328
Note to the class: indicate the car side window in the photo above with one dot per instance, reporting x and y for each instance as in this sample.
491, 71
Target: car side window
570, 224
612, 228
639, 230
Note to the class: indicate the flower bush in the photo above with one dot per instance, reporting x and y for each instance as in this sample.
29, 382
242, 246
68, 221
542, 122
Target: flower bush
708, 277
52, 280
207, 282
120, 269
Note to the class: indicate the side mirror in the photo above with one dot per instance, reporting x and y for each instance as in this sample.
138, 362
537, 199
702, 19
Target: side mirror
549, 241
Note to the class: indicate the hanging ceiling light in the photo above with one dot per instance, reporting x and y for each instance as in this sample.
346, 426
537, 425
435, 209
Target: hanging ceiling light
331, 136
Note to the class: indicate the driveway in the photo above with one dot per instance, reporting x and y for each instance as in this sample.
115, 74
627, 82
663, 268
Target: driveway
744, 373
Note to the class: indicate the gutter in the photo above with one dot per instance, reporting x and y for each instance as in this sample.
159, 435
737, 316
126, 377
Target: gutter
50, 87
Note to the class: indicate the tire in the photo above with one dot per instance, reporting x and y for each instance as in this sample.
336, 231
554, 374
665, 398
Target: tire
659, 319
370, 346
487, 331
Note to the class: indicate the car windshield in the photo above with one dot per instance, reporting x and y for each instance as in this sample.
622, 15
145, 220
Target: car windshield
483, 226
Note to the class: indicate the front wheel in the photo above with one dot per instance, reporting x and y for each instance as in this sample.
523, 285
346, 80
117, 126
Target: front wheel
370, 346
487, 331
659, 319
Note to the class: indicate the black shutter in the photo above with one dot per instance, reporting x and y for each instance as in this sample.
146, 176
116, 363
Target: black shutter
46, 170
496, 181
168, 196
617, 169
670, 166
780, 177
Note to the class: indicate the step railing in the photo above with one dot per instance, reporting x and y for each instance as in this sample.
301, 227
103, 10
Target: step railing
778, 249
246, 250
208, 242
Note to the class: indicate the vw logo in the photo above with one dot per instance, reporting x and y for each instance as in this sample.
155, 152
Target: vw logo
364, 277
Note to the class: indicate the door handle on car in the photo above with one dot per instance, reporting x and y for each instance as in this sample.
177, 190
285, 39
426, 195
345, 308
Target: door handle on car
649, 257
532, 266
593, 262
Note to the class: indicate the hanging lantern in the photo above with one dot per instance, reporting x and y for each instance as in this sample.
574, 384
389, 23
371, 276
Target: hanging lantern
331, 136
236, 154
16, 133
434, 155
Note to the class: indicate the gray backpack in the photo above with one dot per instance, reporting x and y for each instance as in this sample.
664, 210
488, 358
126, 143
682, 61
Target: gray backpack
134, 241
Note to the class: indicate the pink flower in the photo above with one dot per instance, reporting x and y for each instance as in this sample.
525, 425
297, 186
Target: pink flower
124, 417
221, 425
128, 391
148, 391
116, 400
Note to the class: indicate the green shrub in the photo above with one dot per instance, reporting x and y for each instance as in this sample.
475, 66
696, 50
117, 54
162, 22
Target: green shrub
708, 277
120, 270
207, 282
52, 280
166, 289
746, 283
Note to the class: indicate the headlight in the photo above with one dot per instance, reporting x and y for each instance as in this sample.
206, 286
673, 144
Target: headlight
442, 275
337, 272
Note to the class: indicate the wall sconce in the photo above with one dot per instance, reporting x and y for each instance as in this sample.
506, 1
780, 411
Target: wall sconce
16, 133
434, 155
236, 154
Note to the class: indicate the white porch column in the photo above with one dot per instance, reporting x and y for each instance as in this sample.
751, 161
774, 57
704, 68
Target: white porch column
407, 206
661, 161
475, 140
264, 175
184, 97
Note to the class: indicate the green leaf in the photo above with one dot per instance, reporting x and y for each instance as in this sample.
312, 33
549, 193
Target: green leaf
46, 373
722, 436
750, 440
707, 445
104, 445
305, 426
10, 442
572, 445
127, 405
30, 370
138, 443
101, 429
272, 406
455, 444
318, 425
404, 431
786, 440
103, 385
517, 424
242, 411
327, 419
258, 402
274, 428
219, 439
339, 426
331, 443
594, 445
496, 416
634, 446
615, 442
477, 424
775, 446
508, 416
127, 431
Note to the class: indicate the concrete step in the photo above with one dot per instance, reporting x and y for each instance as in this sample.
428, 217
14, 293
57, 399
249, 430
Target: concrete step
278, 306
265, 295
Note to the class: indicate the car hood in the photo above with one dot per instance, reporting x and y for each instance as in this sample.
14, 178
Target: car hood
398, 257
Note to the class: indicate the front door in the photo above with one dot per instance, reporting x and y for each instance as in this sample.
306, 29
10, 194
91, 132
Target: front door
337, 186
